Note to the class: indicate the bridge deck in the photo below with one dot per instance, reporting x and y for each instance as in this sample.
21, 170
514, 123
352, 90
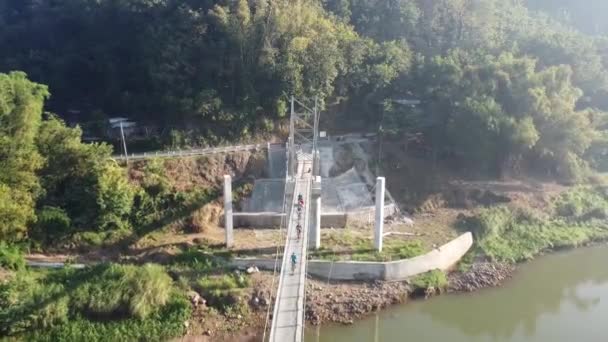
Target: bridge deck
288, 317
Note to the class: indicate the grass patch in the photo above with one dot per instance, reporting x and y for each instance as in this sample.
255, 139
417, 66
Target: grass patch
515, 234
104, 303
197, 261
582, 203
123, 290
224, 283
207, 271
162, 325
224, 292
28, 302
344, 245
435, 279
94, 239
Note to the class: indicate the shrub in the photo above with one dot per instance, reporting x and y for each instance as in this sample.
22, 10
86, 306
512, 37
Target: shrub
11, 257
199, 220
52, 223
90, 239
434, 279
223, 292
124, 290
580, 202
27, 303
516, 234
490, 221
57, 305
163, 325
223, 283
200, 261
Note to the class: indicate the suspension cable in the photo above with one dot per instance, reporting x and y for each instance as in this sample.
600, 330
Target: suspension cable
284, 219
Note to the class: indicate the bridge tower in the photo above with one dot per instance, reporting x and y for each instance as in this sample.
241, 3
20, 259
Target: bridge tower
303, 142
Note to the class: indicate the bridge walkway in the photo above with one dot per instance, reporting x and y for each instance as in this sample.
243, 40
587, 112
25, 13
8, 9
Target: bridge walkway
288, 316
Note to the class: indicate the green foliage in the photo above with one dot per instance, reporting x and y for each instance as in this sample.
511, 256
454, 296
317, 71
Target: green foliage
405, 250
583, 203
435, 279
517, 111
514, 234
163, 325
21, 104
124, 290
347, 246
114, 198
224, 292
55, 305
80, 179
11, 257
27, 303
14, 215
92, 239
222, 284
52, 223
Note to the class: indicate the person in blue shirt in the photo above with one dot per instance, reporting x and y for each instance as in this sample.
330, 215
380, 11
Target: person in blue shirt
293, 261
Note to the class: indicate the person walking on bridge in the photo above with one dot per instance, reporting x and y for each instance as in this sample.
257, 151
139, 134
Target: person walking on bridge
294, 259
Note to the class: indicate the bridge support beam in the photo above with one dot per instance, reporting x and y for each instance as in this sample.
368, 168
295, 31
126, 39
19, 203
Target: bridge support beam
228, 211
379, 229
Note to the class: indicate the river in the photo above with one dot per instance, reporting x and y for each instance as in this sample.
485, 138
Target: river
558, 297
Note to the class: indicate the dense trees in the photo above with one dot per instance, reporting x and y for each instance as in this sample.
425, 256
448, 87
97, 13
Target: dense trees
530, 88
48, 175
21, 104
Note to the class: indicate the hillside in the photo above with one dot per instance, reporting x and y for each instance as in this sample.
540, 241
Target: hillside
489, 116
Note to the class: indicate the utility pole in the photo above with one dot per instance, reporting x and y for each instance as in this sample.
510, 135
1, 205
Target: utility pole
124, 143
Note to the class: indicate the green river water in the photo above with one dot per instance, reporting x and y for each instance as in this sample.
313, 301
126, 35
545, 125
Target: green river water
559, 297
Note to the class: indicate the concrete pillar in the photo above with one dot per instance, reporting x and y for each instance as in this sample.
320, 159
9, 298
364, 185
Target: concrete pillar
379, 231
316, 163
315, 234
317, 230
228, 211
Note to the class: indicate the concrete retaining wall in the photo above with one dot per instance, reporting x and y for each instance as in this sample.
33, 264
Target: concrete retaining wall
442, 258
257, 220
328, 220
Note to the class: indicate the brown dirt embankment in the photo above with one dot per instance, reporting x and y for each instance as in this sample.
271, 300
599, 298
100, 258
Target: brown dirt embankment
206, 172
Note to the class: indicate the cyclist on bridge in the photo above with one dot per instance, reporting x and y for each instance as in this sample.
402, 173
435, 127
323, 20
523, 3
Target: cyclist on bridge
299, 230
294, 258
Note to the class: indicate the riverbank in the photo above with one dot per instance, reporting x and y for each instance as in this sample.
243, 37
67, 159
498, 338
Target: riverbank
341, 303
556, 297
327, 303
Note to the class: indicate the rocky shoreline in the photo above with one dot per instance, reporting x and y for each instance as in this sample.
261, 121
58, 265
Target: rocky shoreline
345, 303
479, 276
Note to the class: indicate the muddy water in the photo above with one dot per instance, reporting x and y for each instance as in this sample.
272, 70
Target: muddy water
560, 297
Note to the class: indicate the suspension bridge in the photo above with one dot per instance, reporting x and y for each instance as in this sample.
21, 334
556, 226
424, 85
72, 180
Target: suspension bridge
302, 178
